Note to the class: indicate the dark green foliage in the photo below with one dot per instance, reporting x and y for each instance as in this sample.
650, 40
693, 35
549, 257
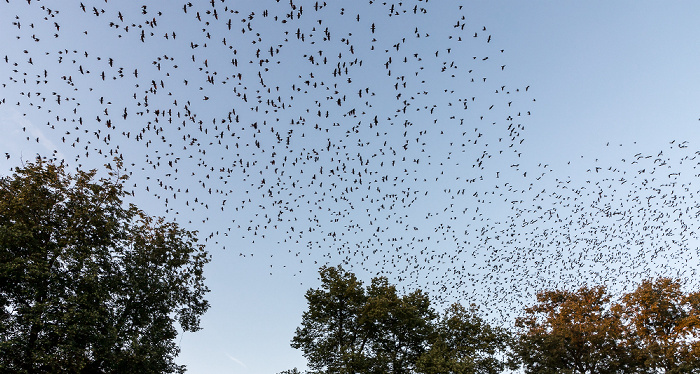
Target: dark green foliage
352, 329
331, 335
88, 285
464, 343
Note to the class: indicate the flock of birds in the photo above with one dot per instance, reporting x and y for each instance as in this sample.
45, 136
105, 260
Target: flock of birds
387, 136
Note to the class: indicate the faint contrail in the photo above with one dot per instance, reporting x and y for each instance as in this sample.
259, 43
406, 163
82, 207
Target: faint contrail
235, 360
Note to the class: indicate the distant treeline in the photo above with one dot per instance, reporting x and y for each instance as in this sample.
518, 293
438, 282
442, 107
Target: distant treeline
350, 328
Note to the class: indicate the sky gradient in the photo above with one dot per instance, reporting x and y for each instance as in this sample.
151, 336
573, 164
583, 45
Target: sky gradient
480, 151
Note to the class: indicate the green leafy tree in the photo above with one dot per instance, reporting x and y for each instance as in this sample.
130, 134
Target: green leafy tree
290, 371
87, 284
352, 329
572, 332
331, 335
464, 343
398, 326
349, 328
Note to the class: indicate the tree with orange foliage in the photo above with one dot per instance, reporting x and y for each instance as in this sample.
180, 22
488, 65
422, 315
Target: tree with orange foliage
662, 326
572, 332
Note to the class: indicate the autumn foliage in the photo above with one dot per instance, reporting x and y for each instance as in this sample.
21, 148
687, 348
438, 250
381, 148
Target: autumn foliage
654, 329
662, 325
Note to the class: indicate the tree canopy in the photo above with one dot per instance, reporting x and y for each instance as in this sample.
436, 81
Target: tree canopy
663, 326
89, 284
571, 331
653, 329
464, 343
349, 328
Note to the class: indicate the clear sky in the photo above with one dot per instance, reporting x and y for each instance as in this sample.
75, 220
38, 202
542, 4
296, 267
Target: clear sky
478, 150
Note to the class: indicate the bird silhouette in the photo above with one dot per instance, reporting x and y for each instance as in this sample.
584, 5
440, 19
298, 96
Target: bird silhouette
385, 138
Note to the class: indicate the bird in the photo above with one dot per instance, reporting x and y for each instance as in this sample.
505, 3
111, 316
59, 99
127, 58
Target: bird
387, 140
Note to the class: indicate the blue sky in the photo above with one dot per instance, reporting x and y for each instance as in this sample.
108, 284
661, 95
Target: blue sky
430, 194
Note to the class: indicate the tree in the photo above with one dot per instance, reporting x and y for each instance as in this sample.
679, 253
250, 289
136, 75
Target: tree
466, 344
663, 326
290, 371
87, 284
349, 328
331, 335
352, 329
398, 326
572, 332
